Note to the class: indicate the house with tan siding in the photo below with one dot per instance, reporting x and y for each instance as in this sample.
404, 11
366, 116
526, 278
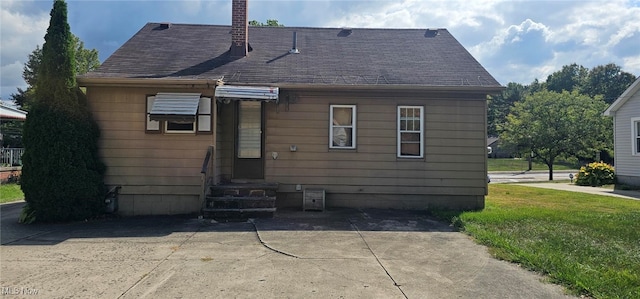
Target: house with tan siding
626, 135
387, 118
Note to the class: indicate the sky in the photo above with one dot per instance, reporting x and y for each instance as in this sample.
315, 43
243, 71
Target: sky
516, 41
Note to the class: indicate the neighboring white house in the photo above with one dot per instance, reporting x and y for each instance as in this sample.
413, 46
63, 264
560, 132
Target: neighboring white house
9, 113
626, 131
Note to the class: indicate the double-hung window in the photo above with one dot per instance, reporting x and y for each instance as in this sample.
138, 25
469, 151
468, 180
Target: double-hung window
410, 131
635, 131
342, 126
178, 113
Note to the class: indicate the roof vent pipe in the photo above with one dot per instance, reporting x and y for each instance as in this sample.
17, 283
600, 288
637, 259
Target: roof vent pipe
294, 49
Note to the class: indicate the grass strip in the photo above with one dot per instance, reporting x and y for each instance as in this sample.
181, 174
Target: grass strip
588, 243
10, 193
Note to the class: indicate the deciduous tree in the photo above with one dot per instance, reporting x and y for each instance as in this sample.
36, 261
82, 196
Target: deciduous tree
269, 23
553, 125
569, 78
609, 81
499, 107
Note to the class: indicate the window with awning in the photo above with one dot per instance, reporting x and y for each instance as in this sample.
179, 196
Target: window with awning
175, 107
256, 93
178, 113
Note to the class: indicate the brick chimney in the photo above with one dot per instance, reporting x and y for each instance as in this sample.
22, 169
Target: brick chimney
239, 28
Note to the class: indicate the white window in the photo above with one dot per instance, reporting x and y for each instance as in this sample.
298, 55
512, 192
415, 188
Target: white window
635, 137
204, 115
410, 132
173, 119
342, 126
153, 126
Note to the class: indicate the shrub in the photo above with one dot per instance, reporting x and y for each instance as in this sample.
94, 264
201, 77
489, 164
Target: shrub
596, 174
28, 215
62, 174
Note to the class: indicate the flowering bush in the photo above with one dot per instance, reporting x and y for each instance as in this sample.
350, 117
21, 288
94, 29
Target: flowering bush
596, 174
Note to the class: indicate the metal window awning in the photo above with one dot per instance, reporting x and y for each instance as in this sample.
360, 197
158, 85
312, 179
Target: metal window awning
255, 93
181, 107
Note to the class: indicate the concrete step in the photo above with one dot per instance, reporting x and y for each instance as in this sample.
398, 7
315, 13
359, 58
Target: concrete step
237, 200
244, 190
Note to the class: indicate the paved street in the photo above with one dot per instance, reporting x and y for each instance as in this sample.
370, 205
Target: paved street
528, 176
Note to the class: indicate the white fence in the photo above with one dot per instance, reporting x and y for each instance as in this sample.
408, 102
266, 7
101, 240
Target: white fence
11, 156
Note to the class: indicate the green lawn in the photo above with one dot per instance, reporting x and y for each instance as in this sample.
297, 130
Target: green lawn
588, 243
10, 192
510, 164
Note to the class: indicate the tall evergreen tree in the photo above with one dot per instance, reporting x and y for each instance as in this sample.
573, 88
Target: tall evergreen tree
30, 70
86, 60
62, 175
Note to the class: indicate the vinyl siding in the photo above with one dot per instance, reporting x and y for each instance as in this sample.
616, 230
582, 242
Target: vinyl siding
455, 148
159, 173
626, 164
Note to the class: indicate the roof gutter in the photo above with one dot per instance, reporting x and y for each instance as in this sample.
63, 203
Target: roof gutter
392, 87
209, 83
144, 82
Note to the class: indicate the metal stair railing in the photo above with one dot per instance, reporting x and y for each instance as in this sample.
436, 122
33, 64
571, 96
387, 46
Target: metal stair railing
207, 174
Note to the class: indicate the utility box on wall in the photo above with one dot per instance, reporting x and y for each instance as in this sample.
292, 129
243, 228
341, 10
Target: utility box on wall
313, 199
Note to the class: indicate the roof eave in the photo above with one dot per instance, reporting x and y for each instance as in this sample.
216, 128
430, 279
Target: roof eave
406, 87
141, 82
210, 83
623, 98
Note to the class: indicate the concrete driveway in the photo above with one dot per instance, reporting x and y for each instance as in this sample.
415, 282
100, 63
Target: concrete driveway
332, 254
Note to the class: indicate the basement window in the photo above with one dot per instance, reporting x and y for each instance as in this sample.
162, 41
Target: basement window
178, 113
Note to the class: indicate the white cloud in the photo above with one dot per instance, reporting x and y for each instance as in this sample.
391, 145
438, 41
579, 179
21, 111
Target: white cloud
191, 7
588, 33
598, 23
422, 14
20, 33
10, 82
511, 35
632, 64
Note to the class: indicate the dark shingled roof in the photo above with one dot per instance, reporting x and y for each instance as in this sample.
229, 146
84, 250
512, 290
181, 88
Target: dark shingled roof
335, 56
